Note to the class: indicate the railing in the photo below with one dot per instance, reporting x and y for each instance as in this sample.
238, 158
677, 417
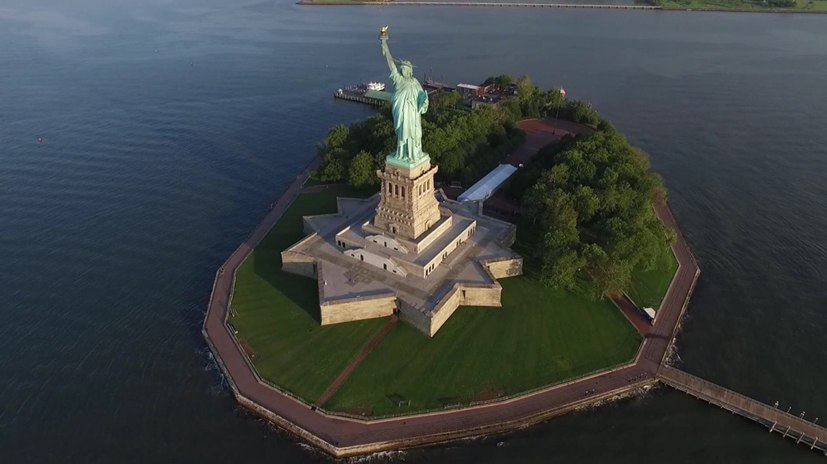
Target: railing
776, 420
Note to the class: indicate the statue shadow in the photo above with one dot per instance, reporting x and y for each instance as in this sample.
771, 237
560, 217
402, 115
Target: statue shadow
300, 291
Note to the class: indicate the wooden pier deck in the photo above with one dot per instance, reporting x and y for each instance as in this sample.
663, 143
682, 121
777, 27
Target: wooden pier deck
359, 98
790, 426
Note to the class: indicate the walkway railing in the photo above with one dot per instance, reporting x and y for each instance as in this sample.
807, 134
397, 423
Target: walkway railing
802, 431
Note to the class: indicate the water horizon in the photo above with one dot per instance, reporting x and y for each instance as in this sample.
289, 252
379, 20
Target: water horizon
169, 126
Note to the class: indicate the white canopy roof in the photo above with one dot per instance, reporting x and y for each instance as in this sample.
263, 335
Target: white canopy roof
489, 184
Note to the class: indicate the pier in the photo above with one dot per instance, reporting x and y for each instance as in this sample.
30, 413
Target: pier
803, 432
352, 95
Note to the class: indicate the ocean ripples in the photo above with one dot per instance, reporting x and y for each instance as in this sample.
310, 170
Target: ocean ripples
151, 172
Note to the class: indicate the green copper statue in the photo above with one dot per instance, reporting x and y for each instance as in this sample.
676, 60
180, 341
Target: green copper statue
409, 101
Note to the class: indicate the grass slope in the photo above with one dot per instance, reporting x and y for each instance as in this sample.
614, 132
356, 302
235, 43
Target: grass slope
539, 337
278, 313
649, 287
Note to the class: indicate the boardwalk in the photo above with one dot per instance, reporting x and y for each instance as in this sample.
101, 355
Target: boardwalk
341, 436
796, 428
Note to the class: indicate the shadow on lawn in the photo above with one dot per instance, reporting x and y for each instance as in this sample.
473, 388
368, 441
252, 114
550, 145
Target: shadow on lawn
301, 291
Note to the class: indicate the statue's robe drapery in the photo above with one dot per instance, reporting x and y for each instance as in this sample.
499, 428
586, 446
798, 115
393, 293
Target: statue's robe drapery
407, 103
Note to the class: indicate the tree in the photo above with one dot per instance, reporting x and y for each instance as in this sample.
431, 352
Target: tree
362, 172
332, 169
582, 112
336, 136
594, 208
524, 86
553, 99
445, 101
503, 80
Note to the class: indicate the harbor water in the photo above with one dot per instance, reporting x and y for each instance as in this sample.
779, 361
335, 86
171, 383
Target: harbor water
169, 126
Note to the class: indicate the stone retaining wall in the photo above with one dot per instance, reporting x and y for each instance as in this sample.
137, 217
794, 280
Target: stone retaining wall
414, 317
297, 263
357, 309
506, 267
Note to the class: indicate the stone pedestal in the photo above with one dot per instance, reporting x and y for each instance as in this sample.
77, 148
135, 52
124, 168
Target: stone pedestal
407, 207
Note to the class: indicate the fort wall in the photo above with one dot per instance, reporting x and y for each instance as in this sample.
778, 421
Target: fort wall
357, 309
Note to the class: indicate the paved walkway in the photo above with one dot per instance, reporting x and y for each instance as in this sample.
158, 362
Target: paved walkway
540, 133
633, 314
350, 436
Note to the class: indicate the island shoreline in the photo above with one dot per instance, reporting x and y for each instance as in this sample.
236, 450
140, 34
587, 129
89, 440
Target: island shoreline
559, 5
331, 432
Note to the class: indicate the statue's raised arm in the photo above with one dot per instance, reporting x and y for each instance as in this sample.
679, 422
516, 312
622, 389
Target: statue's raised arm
383, 38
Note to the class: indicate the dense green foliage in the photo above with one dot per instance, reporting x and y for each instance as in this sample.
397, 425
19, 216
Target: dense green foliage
593, 206
539, 337
503, 80
277, 314
465, 144
728, 4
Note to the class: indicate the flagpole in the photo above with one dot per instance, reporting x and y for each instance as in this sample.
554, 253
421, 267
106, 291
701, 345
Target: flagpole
562, 97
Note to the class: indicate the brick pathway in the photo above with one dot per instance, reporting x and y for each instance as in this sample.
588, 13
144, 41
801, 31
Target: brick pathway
353, 365
632, 313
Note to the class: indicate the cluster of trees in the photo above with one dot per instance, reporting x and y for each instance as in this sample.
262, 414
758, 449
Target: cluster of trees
780, 3
730, 3
533, 102
589, 208
465, 144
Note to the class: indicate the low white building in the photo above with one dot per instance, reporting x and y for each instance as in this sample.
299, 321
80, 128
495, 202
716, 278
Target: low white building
489, 184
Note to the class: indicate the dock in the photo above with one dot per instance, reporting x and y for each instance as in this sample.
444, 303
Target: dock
803, 432
361, 98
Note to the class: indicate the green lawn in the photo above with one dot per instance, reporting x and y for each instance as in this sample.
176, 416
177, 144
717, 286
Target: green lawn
539, 337
818, 5
649, 287
277, 313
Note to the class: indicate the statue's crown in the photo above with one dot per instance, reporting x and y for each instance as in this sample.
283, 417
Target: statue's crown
405, 63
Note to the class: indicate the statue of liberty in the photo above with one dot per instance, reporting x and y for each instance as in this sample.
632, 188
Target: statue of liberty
409, 101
